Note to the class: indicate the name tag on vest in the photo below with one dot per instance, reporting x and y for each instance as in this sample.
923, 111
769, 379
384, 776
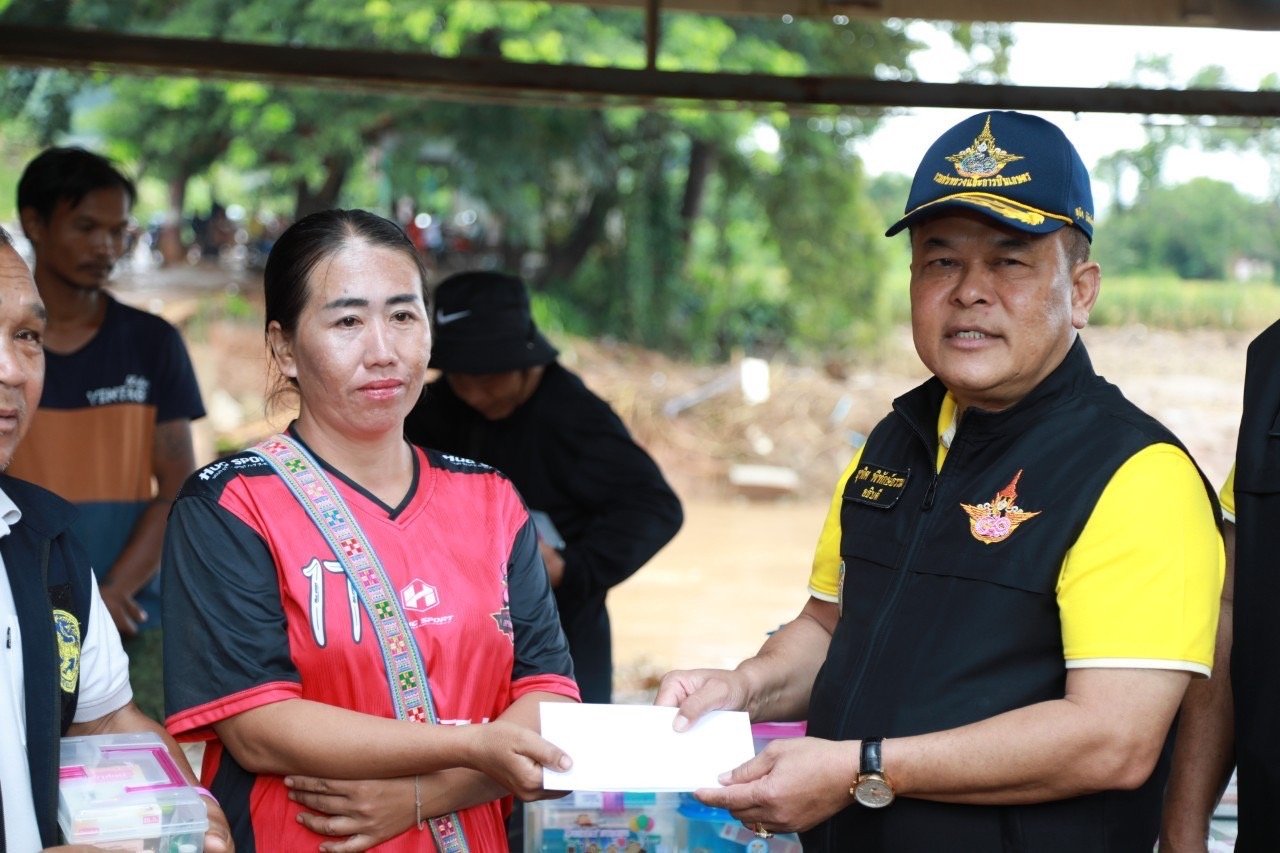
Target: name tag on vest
876, 486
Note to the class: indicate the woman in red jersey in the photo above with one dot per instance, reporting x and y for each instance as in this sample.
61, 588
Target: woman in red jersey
344, 605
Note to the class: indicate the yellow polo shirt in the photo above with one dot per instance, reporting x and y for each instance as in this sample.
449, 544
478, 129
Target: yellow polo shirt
1140, 587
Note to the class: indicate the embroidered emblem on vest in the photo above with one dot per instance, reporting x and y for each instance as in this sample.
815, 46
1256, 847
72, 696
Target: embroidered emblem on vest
996, 519
876, 486
67, 629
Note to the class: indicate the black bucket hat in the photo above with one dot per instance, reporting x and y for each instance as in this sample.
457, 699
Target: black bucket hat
483, 325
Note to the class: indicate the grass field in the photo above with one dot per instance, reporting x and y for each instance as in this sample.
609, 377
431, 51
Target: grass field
1170, 303
1162, 302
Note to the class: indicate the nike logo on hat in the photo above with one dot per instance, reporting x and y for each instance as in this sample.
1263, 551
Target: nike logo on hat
445, 319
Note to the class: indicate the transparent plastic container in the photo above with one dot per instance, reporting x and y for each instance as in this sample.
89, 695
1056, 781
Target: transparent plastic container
763, 733
124, 792
706, 829
591, 821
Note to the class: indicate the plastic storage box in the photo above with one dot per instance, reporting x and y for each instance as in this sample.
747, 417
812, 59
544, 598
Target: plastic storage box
124, 792
585, 822
602, 823
705, 829
763, 733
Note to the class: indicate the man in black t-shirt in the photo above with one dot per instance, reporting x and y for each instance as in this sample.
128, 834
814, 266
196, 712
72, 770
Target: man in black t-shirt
113, 431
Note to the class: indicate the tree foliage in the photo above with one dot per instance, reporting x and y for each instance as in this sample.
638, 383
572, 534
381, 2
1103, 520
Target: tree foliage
675, 228
1196, 230
1199, 229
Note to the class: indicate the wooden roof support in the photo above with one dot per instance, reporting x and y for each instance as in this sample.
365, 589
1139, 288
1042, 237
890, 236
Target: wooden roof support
1231, 14
652, 32
568, 85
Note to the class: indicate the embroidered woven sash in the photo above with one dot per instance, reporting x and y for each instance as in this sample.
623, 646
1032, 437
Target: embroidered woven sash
406, 676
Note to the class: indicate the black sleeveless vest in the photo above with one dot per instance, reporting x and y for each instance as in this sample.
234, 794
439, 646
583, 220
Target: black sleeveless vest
1255, 652
949, 613
48, 572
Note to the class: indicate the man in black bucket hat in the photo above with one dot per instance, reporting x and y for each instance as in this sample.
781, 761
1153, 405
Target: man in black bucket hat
484, 326
1019, 571
503, 399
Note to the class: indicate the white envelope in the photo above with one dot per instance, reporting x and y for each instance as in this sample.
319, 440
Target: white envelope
634, 748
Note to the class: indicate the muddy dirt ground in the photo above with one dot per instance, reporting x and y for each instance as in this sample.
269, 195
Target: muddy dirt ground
738, 568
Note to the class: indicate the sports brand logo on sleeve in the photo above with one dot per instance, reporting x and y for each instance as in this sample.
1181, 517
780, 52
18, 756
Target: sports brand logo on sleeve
995, 520
502, 618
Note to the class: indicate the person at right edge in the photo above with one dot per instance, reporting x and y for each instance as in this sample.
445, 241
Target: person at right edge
1019, 572
1231, 718
505, 400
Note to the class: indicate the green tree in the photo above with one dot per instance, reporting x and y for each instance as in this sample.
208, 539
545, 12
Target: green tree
1195, 230
607, 210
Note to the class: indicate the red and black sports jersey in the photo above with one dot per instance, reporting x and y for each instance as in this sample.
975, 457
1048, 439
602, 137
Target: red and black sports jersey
258, 610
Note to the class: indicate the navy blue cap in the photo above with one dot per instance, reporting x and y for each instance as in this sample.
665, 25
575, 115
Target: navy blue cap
1016, 168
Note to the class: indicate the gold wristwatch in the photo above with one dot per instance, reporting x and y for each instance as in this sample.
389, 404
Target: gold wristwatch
871, 789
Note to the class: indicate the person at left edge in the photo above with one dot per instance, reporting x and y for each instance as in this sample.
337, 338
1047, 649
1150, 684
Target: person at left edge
113, 431
290, 663
62, 670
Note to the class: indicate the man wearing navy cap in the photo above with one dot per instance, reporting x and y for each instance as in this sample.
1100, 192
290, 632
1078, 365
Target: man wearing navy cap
1019, 572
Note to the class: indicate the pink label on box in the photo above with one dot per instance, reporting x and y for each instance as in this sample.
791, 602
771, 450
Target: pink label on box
114, 774
158, 754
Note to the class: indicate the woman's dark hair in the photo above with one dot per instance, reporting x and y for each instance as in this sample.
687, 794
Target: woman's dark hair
312, 239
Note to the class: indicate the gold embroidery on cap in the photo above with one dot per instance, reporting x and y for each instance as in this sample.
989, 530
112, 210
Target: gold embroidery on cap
1004, 208
995, 520
984, 158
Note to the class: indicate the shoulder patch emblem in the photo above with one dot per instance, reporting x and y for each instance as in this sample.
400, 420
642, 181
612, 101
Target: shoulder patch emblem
995, 520
67, 630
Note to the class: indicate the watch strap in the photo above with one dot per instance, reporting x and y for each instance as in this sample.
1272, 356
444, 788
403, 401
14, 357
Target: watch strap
870, 761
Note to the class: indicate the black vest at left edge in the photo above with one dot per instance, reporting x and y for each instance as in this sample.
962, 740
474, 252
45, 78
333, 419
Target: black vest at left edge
941, 628
49, 574
1255, 654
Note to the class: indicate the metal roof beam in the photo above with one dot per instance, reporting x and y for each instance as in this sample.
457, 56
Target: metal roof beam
1231, 14
486, 79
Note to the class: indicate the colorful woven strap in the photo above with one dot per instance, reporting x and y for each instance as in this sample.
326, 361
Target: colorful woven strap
406, 676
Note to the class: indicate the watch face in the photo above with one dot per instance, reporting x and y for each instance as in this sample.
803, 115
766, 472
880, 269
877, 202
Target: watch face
873, 792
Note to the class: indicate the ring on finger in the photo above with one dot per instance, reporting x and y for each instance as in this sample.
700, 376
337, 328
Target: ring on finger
762, 832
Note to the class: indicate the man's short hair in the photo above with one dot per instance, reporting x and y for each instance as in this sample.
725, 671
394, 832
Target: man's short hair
1076, 244
68, 174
